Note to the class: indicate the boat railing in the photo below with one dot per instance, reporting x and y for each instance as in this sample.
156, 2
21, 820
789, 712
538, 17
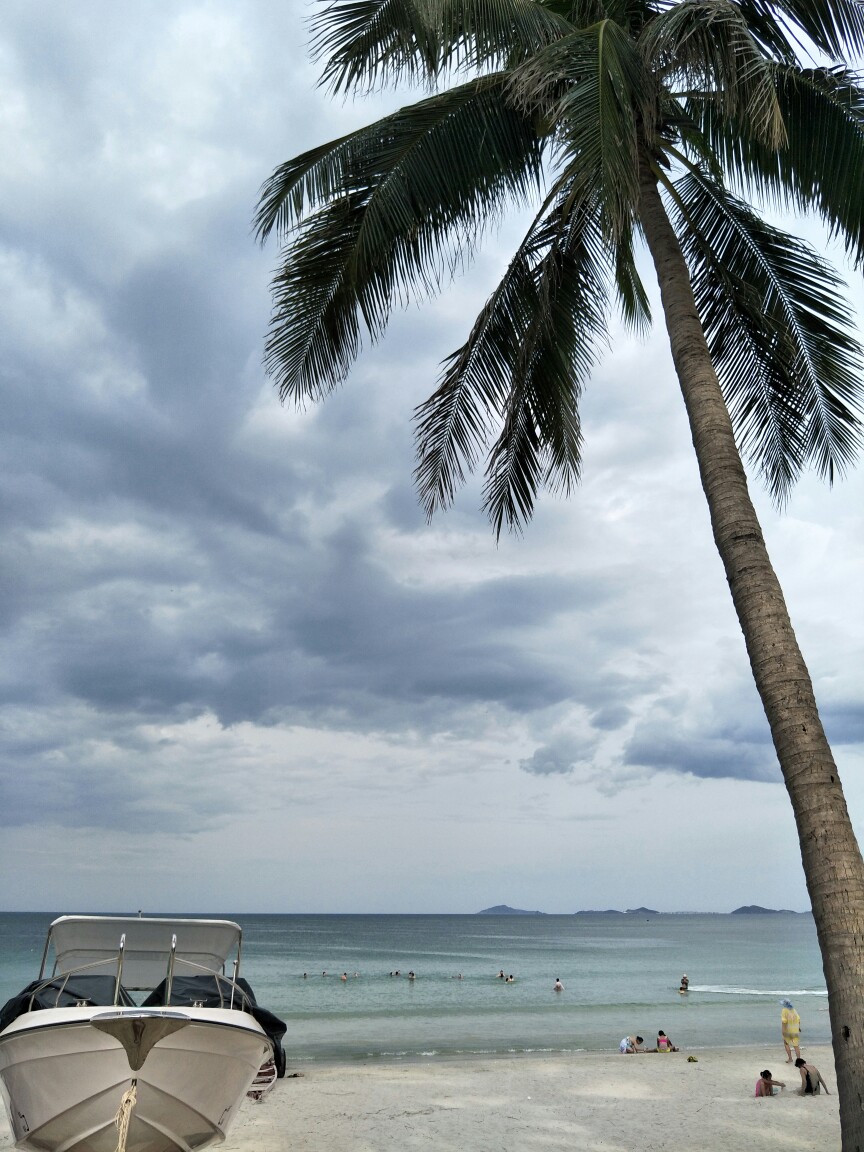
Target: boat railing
169, 979
119, 980
220, 985
60, 981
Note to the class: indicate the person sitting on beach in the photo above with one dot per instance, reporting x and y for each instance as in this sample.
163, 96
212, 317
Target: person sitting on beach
664, 1044
790, 1029
765, 1085
630, 1044
811, 1079
557, 986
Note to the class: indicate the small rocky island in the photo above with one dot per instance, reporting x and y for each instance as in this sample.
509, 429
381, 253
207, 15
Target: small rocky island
506, 910
757, 910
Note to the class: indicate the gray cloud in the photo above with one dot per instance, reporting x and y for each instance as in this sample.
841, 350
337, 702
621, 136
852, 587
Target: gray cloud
556, 759
724, 736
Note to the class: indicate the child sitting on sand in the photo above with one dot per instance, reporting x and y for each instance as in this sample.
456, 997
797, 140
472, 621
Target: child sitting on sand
664, 1044
765, 1085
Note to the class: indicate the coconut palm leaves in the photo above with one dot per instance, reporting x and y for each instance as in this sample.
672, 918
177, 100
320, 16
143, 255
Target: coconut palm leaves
779, 334
591, 86
369, 42
709, 94
821, 167
520, 370
388, 211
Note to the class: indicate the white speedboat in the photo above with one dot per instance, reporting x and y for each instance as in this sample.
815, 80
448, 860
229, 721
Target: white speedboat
75, 1045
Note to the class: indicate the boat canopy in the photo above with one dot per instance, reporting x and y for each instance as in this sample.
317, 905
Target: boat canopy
79, 941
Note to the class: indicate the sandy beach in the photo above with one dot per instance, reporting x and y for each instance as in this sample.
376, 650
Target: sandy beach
541, 1104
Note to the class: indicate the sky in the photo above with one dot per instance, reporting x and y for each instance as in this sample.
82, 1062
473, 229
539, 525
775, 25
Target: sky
239, 670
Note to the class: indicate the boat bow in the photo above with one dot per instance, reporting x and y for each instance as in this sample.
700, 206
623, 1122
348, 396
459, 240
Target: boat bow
139, 1032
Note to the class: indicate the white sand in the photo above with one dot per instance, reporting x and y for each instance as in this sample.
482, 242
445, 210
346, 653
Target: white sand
587, 1102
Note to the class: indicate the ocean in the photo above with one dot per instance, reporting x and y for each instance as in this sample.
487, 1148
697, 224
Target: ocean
620, 976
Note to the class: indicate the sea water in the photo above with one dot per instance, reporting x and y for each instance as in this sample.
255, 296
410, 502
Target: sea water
620, 975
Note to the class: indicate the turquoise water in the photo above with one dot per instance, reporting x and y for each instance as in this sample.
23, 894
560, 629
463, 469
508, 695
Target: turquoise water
620, 976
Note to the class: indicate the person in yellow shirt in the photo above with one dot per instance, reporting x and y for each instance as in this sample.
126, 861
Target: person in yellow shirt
790, 1029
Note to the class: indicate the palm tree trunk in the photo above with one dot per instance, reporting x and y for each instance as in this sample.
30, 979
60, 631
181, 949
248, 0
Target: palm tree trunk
829, 851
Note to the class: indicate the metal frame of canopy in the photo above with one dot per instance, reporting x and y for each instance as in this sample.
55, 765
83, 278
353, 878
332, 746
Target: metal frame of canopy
141, 950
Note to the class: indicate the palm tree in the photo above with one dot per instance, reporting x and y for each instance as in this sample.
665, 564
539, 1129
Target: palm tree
620, 121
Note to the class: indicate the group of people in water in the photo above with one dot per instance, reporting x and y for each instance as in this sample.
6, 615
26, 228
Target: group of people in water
812, 1081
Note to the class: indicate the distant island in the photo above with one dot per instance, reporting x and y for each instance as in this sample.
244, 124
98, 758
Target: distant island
506, 910
617, 912
744, 910
757, 910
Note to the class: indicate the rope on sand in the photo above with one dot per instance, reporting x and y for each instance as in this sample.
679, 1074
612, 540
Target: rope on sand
124, 1115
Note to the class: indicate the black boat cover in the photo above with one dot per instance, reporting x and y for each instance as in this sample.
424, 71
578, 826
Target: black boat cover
215, 991
64, 992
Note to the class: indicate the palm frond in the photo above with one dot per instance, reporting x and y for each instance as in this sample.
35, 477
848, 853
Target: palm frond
706, 46
378, 42
836, 27
823, 163
780, 334
821, 167
770, 33
632, 297
311, 179
523, 365
591, 85
405, 201
630, 15
364, 41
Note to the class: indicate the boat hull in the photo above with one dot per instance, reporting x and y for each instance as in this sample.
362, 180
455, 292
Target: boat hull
63, 1079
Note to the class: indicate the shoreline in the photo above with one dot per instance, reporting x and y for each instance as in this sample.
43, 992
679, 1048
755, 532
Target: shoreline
306, 1067
541, 1102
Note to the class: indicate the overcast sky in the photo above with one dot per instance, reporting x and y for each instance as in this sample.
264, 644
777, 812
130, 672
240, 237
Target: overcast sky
239, 671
